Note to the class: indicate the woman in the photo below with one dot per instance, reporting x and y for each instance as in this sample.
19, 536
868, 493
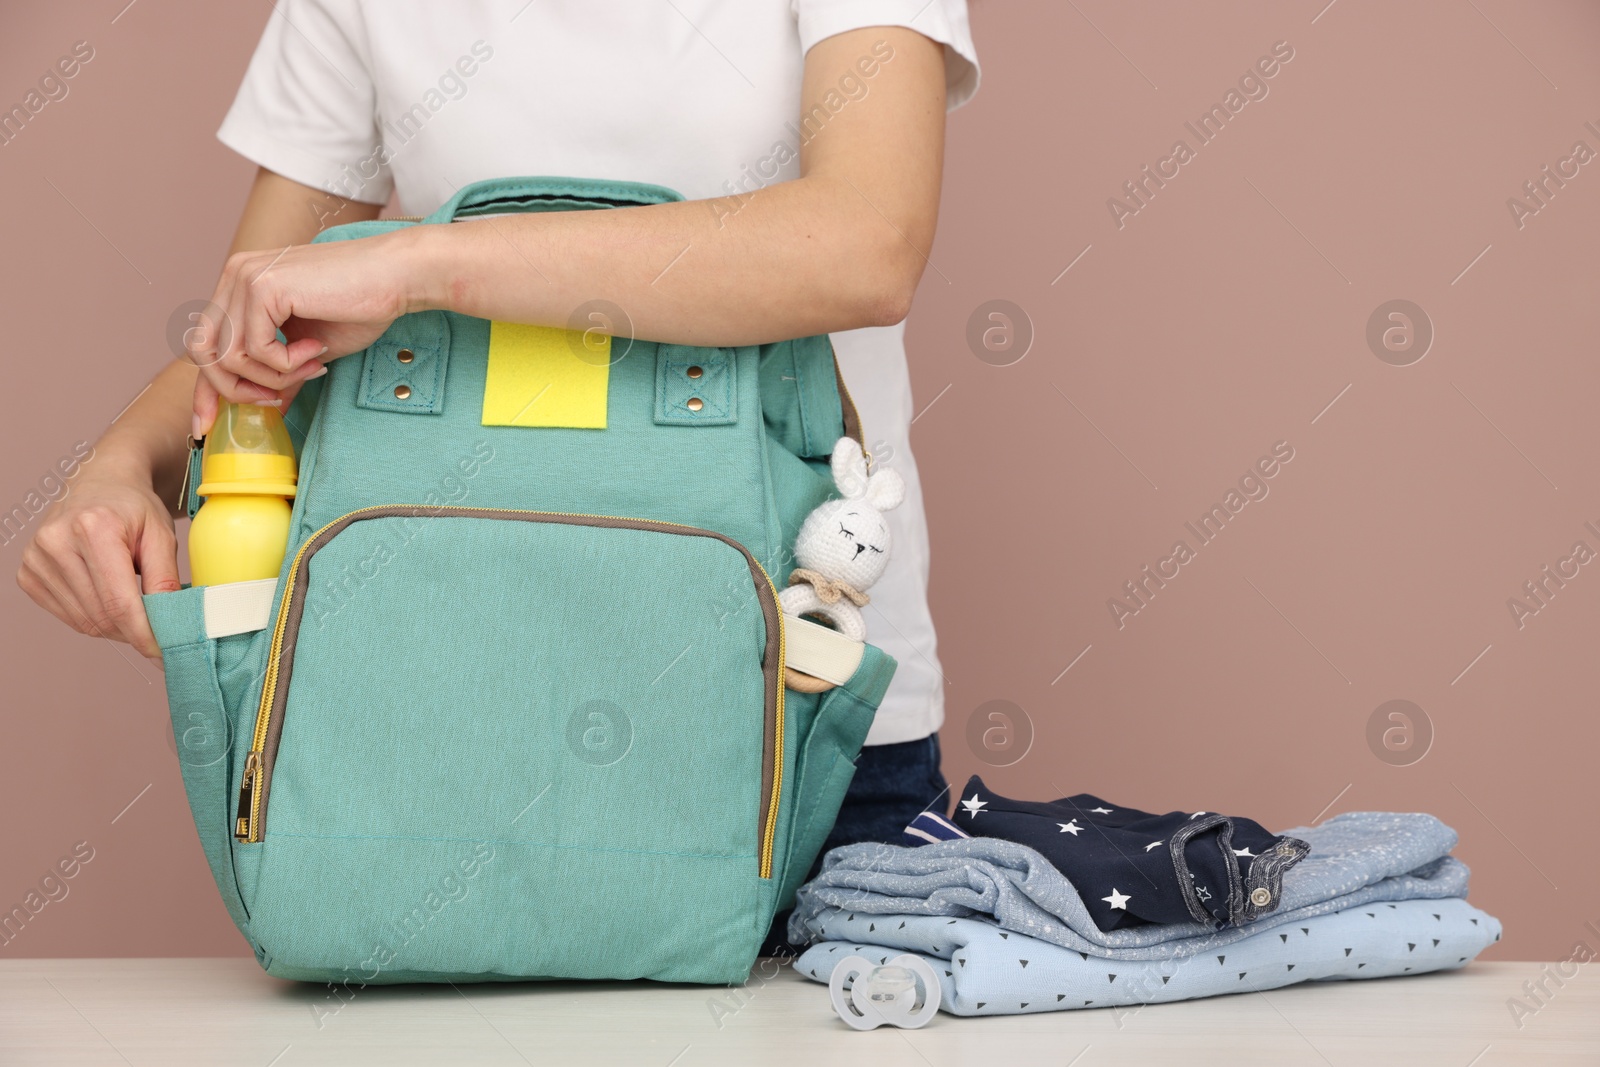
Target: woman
807, 136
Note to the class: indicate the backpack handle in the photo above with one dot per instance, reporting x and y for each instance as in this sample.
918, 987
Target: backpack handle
498, 195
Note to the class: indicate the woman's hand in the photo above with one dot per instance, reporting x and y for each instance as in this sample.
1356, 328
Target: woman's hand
328, 299
113, 531
86, 562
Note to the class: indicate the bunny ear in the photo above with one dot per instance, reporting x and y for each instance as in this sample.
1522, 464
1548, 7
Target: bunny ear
886, 490
849, 467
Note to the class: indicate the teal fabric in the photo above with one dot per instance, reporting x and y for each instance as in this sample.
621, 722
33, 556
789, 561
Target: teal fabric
457, 745
426, 341
804, 413
829, 728
707, 375
515, 749
297, 417
198, 674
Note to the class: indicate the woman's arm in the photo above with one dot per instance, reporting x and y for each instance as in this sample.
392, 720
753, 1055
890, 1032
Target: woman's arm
842, 246
111, 537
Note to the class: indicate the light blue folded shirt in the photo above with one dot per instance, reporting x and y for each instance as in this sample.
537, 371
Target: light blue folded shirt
986, 970
1356, 858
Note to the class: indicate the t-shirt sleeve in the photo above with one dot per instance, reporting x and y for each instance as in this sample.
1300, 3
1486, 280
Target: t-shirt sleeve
944, 21
307, 107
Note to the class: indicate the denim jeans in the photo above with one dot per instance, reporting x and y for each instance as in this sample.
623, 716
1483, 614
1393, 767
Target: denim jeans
893, 785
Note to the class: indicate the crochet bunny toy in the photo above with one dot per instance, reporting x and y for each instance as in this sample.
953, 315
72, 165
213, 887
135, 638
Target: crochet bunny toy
843, 545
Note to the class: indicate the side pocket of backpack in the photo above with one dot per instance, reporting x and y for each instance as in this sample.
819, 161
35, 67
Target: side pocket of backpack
825, 763
202, 726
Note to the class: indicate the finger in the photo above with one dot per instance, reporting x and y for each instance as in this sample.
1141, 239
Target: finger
228, 385
242, 390
32, 582
202, 338
264, 309
115, 609
257, 333
157, 557
252, 370
253, 306
156, 560
121, 610
69, 579
205, 407
261, 328
205, 342
311, 368
230, 297
305, 349
289, 392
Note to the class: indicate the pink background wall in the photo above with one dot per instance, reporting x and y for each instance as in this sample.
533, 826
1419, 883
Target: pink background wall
1225, 316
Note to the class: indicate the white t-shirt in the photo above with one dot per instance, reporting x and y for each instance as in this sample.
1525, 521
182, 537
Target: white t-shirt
417, 99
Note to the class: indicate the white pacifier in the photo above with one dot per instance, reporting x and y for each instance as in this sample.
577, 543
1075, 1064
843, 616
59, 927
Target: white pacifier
903, 992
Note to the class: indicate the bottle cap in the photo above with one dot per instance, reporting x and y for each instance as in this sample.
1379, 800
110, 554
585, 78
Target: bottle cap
248, 451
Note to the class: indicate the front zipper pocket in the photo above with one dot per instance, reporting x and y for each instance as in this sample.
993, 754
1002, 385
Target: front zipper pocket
499, 627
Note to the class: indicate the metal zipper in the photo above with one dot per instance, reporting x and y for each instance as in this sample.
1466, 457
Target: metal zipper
249, 822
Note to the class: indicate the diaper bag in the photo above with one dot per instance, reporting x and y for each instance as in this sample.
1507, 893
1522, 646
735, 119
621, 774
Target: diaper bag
514, 706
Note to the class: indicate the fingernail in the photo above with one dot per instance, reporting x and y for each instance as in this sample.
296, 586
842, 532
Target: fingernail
319, 372
195, 426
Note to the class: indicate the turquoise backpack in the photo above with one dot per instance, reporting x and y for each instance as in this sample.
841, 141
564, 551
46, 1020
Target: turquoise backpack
514, 707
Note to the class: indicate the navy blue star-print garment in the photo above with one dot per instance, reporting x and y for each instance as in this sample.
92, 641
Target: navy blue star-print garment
1132, 867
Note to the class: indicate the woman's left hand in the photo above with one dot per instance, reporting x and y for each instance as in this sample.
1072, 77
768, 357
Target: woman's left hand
328, 299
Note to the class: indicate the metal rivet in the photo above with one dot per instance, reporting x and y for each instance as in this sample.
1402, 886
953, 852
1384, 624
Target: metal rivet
401, 392
695, 403
1261, 897
695, 372
405, 355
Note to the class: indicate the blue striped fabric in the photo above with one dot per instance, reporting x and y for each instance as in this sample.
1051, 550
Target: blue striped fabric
931, 826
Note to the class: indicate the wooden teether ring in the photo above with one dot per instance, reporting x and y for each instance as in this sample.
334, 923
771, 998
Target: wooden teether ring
805, 683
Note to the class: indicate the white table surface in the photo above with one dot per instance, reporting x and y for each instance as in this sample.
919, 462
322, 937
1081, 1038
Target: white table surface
173, 1012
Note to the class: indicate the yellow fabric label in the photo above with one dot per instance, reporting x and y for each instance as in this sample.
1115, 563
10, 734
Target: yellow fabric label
543, 376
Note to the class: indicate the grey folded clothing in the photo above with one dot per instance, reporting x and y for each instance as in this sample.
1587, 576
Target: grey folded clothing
1356, 858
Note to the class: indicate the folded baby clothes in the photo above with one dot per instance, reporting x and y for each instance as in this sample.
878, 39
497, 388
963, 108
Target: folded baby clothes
1132, 867
1356, 858
986, 970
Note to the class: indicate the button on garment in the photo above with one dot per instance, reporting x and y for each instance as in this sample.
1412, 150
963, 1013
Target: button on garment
1132, 867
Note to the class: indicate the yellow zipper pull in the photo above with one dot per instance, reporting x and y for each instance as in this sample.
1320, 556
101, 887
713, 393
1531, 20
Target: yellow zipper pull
247, 792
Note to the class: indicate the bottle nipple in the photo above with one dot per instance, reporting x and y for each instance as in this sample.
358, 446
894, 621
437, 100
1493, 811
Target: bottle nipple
247, 451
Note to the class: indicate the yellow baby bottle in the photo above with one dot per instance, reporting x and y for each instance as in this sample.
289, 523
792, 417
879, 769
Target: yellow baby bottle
247, 475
